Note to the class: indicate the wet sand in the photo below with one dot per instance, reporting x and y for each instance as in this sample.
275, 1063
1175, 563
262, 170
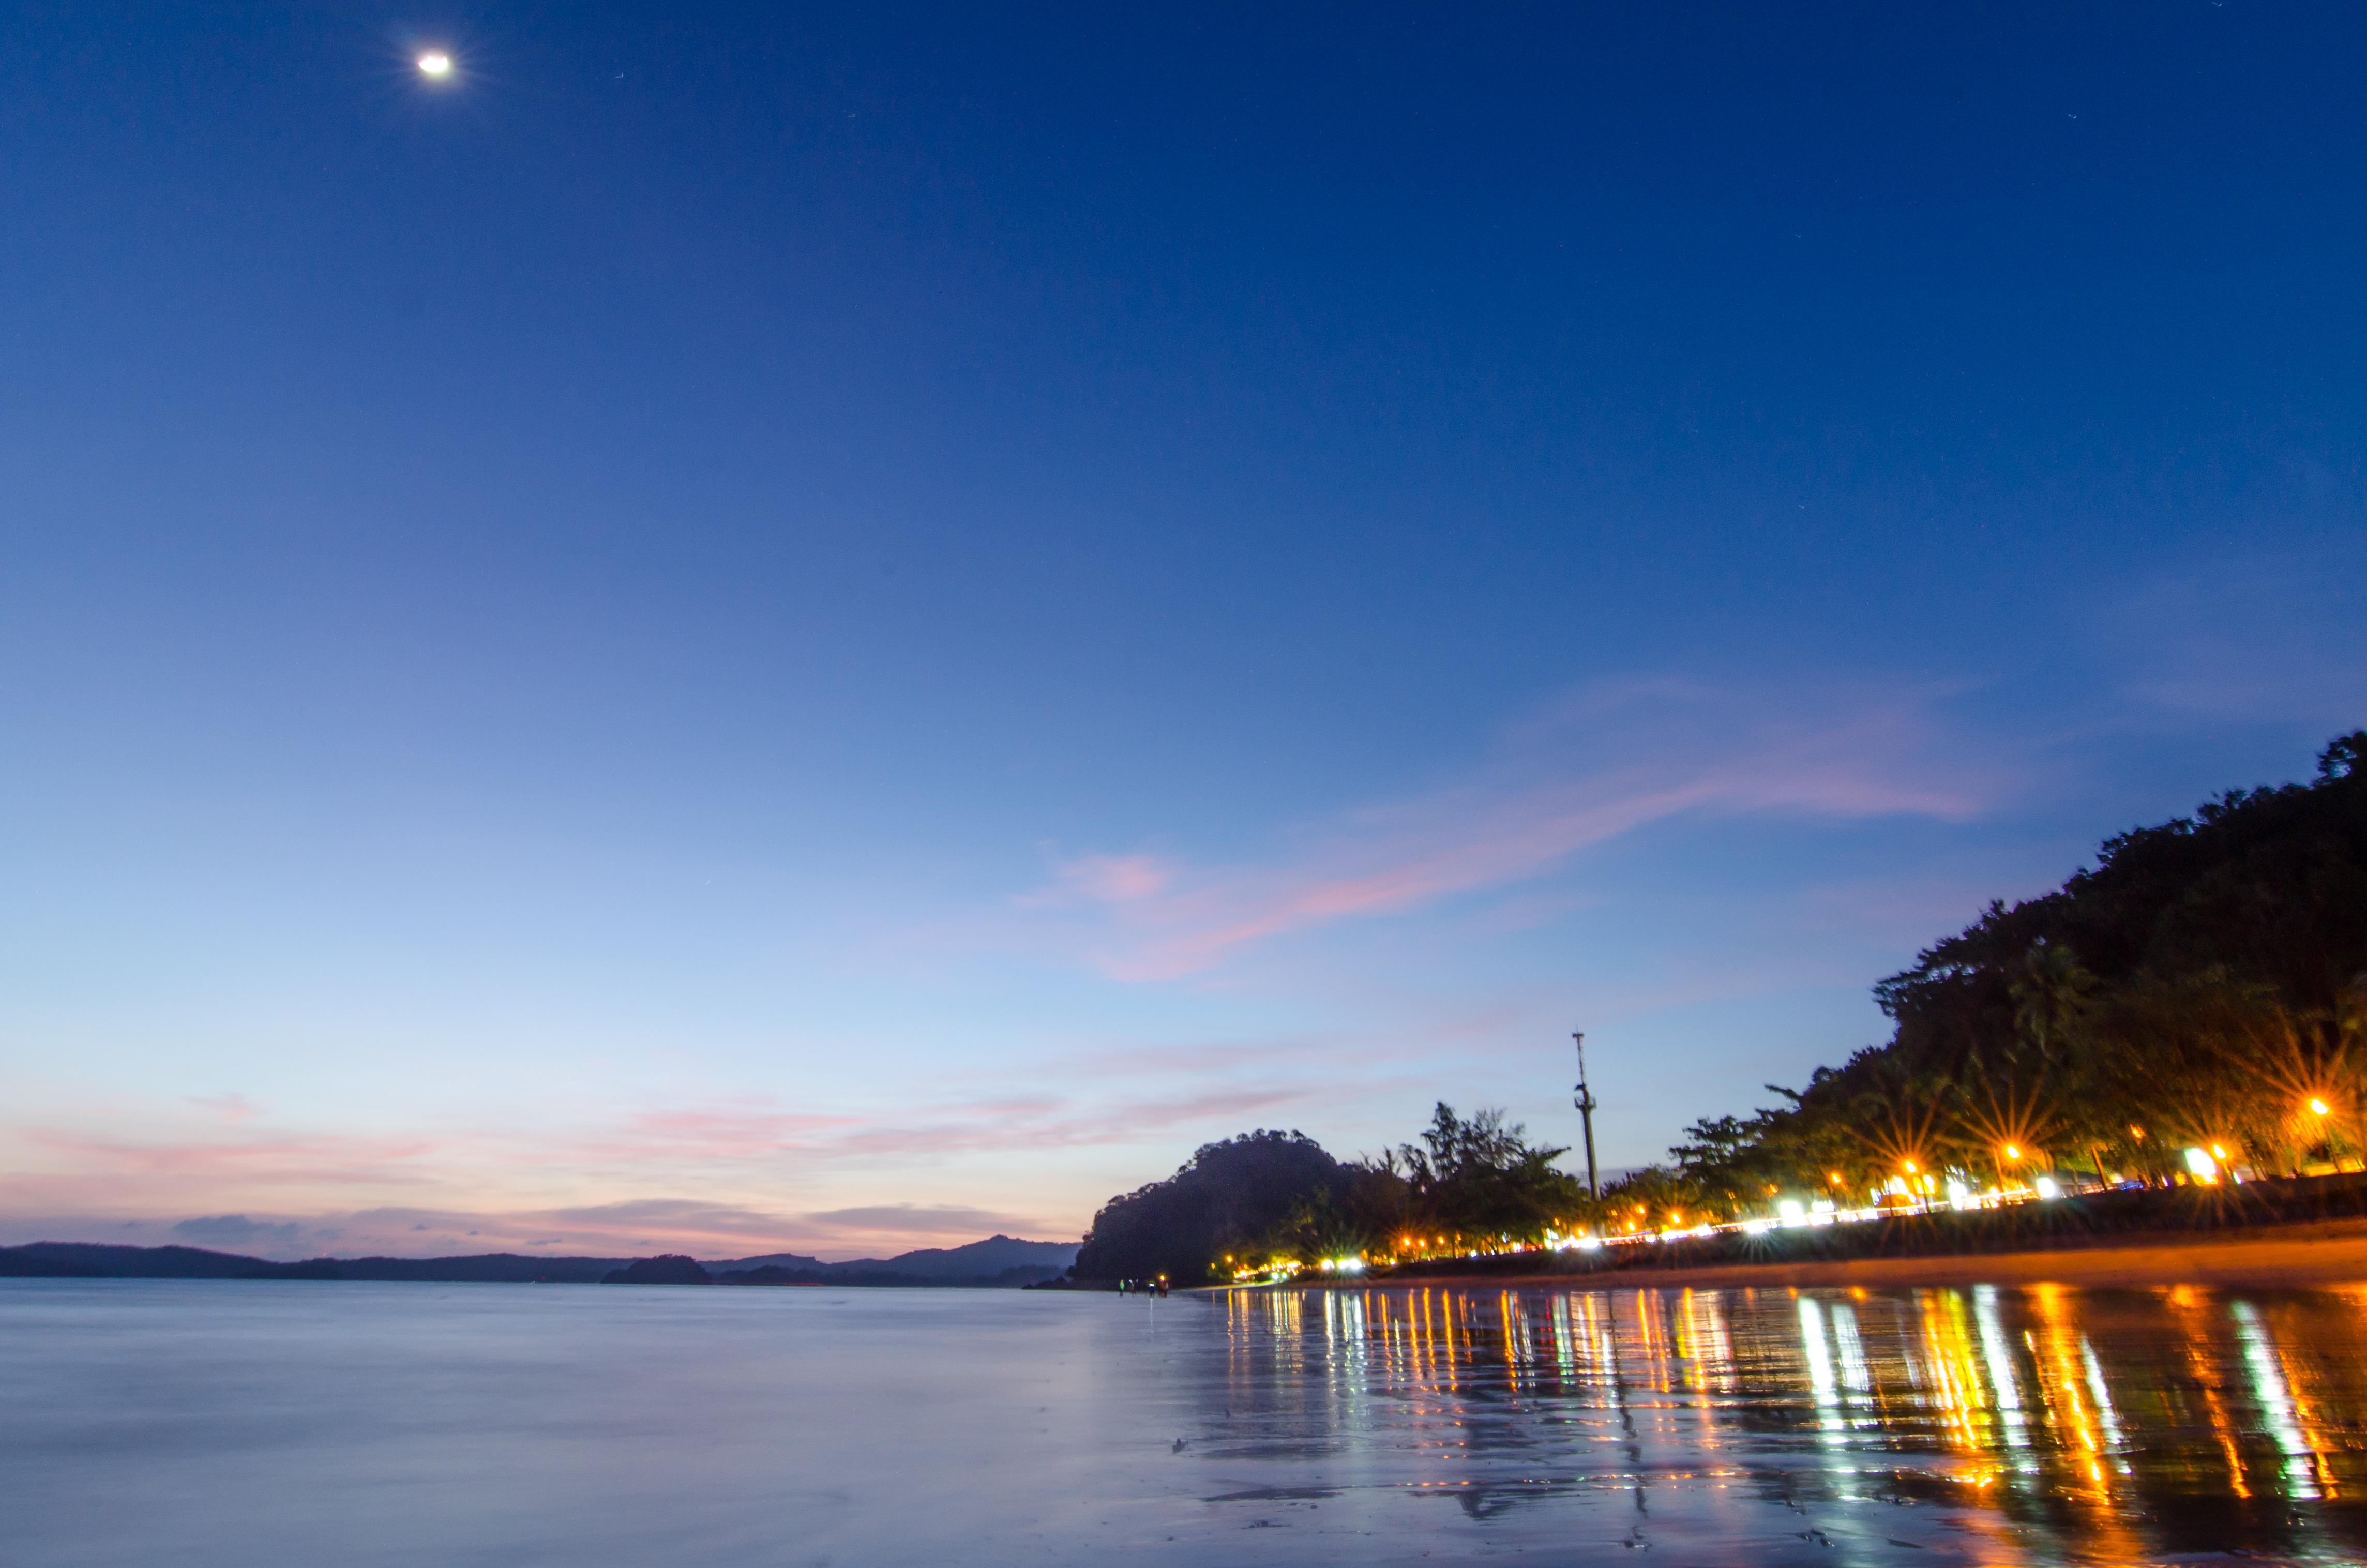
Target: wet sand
2296, 1255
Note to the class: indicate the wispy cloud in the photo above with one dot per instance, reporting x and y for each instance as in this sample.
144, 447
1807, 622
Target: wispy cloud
626, 1228
922, 1219
269, 1189
866, 1163
263, 1156
1060, 1122
724, 1141
1609, 762
664, 1135
1108, 878
637, 1227
673, 1214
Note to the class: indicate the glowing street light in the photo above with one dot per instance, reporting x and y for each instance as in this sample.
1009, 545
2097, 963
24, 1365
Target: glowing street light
2318, 1107
435, 65
2012, 1152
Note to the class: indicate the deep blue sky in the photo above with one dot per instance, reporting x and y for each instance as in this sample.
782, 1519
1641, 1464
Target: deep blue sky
842, 630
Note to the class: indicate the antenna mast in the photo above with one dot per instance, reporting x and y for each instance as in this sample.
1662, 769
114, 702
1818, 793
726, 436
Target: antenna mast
1585, 1103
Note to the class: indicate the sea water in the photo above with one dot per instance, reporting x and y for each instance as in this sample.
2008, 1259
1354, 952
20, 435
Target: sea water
221, 1425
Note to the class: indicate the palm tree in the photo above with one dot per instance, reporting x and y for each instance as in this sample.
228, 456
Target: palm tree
2050, 996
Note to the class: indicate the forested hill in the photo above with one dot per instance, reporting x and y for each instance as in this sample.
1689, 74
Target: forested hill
2261, 888
2204, 982
1266, 1198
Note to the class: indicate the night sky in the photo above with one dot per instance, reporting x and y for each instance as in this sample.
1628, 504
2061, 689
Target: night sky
735, 629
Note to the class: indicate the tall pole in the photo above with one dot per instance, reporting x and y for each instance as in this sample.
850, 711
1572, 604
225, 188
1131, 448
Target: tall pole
1585, 1103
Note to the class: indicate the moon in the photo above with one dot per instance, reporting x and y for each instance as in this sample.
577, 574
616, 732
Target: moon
436, 63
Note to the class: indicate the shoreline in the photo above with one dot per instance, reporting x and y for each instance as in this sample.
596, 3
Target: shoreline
2295, 1257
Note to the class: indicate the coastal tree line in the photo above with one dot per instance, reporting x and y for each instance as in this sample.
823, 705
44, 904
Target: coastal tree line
1268, 1197
2202, 985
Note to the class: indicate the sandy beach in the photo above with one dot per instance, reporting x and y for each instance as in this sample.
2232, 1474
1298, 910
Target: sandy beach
2296, 1255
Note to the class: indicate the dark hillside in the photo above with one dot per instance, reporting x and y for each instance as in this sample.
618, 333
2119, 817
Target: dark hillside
1225, 1198
78, 1260
2204, 982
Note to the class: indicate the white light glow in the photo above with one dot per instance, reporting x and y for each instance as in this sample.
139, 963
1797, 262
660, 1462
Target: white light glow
436, 63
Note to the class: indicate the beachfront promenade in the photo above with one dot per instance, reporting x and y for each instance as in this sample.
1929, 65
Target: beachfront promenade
2279, 1232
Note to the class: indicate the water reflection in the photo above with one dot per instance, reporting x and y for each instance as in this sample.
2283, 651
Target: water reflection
2035, 1425
222, 1423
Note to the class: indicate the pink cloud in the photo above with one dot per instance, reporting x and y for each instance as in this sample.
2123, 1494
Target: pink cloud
727, 1132
639, 1227
1105, 879
294, 1158
1688, 752
1057, 1124
931, 1220
473, 1187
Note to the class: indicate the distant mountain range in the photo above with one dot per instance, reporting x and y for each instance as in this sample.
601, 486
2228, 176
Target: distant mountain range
1003, 1262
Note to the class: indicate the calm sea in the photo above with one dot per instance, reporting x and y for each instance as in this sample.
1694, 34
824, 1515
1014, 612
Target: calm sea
212, 1425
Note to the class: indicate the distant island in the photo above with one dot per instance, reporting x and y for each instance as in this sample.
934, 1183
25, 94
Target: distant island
997, 1263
